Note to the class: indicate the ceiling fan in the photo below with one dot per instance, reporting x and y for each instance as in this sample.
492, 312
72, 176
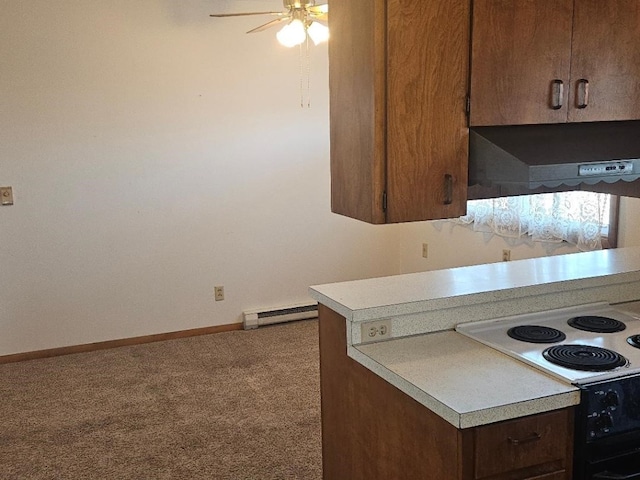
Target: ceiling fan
302, 17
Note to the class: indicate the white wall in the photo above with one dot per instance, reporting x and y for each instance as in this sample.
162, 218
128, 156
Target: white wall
629, 232
156, 152
451, 245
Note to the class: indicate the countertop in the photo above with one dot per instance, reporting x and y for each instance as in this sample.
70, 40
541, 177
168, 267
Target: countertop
555, 281
467, 383
463, 381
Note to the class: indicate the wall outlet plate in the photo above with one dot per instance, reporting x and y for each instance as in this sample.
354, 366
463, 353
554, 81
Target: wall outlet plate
218, 293
6, 196
375, 331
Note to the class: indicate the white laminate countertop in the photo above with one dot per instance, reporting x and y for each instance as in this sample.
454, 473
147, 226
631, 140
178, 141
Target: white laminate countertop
588, 272
466, 383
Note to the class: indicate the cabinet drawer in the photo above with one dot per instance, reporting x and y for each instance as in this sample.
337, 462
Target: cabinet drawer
521, 443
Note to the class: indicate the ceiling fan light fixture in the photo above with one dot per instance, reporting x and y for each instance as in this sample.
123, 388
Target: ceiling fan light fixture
292, 34
318, 33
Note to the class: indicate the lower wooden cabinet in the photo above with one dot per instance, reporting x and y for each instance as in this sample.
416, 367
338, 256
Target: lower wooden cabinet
537, 443
371, 430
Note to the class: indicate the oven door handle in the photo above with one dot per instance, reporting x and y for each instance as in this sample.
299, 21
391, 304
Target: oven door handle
616, 476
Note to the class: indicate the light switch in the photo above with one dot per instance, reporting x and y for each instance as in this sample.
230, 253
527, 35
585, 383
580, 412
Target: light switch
6, 196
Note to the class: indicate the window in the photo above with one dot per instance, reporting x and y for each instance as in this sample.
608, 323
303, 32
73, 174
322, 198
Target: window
585, 219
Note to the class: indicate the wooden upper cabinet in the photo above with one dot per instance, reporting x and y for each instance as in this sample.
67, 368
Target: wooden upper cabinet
554, 61
520, 49
357, 117
606, 57
398, 77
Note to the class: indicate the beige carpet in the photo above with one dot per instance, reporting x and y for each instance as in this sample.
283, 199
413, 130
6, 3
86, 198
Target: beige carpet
237, 405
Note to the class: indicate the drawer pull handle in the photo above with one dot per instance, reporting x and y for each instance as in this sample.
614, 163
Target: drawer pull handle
557, 95
534, 437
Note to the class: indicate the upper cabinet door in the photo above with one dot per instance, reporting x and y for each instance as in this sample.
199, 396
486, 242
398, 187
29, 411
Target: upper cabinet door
605, 65
520, 60
427, 135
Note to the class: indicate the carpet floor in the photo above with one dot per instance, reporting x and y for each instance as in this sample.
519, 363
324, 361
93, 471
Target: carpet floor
242, 405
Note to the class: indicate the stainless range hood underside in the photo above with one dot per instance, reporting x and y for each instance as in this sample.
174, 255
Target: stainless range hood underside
557, 156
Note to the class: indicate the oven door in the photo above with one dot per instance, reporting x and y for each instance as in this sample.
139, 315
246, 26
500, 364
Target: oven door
623, 467
611, 453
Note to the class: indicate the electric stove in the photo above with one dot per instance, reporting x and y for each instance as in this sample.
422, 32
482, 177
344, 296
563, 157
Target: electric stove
581, 344
597, 348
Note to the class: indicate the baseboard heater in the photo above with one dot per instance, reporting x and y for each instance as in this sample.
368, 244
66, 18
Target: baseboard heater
257, 318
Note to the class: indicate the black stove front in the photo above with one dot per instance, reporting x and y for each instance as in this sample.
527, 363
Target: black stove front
607, 437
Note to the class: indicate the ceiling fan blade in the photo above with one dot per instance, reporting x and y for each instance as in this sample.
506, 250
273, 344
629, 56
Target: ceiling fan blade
324, 8
270, 24
220, 15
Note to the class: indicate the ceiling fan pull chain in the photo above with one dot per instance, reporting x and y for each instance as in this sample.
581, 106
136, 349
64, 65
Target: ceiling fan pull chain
308, 74
305, 71
301, 76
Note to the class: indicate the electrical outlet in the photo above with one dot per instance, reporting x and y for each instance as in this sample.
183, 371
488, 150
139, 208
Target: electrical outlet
218, 293
506, 255
6, 196
425, 250
375, 331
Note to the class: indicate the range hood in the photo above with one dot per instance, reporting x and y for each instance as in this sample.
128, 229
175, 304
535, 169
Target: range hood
534, 156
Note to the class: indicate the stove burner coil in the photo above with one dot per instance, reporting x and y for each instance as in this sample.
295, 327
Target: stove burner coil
596, 324
584, 357
634, 341
536, 334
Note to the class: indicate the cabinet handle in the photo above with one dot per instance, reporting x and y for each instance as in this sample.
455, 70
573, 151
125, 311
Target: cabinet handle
583, 93
534, 437
448, 189
557, 94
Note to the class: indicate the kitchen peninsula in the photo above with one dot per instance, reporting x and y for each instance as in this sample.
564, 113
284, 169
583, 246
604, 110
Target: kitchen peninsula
406, 396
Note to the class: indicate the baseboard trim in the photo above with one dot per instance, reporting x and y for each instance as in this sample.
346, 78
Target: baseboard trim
91, 347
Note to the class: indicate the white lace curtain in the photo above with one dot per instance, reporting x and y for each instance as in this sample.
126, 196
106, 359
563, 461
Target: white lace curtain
575, 217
